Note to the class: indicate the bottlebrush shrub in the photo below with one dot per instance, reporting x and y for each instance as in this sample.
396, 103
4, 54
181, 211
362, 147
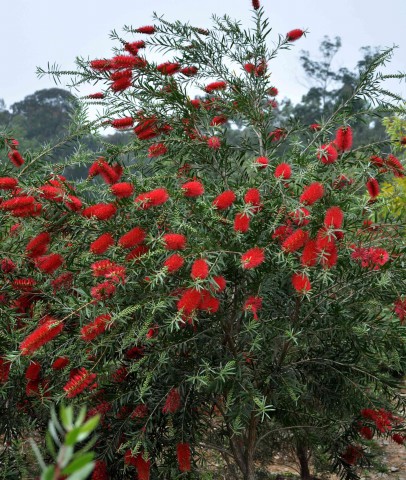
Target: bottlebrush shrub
225, 335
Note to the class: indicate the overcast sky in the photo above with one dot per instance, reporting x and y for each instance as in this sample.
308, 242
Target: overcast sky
34, 32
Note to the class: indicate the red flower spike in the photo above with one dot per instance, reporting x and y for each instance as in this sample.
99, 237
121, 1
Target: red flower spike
220, 283
38, 245
253, 304
224, 200
148, 29
315, 127
174, 241
49, 263
294, 35
100, 211
399, 439
373, 188
153, 198
309, 254
200, 269
214, 86
300, 217
183, 455
241, 222
255, 4
312, 193
343, 139
301, 282
168, 68
102, 244
60, 363
137, 253
100, 471
7, 266
284, 171
4, 370
33, 371
193, 189
43, 334
262, 162
16, 158
189, 301
132, 238
366, 432
252, 258
92, 330
334, 218
174, 263
79, 382
172, 402
121, 84
295, 241
214, 143
157, 150
8, 183
142, 467
96, 96
327, 154
120, 123
253, 197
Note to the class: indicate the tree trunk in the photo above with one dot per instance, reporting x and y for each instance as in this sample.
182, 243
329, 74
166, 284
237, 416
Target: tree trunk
303, 457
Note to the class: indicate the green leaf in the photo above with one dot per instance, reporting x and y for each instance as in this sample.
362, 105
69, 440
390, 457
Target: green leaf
82, 473
37, 452
50, 444
78, 463
66, 414
81, 417
48, 474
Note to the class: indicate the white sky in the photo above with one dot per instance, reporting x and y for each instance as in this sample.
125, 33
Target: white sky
34, 32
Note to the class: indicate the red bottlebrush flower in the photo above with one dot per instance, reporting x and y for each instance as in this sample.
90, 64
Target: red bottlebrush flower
399, 308
295, 241
24, 284
43, 334
214, 143
253, 197
220, 283
327, 154
4, 370
17, 202
49, 263
351, 454
102, 267
189, 301
174, 241
137, 253
218, 120
334, 218
249, 67
153, 198
168, 68
102, 244
214, 86
174, 263
132, 238
370, 257
73, 203
241, 222
121, 84
283, 170
33, 210
157, 150
172, 402
309, 254
341, 182
100, 471
262, 162
50, 192
294, 34
8, 183
395, 166
120, 123
193, 189
140, 411
148, 29
200, 269
253, 304
100, 211
325, 240
366, 432
120, 74
329, 255
397, 438
272, 91
94, 329
33, 371
123, 61
122, 190
315, 127
79, 382
142, 467
96, 96
183, 454
301, 282
38, 245
101, 65
64, 280
252, 258
282, 232
312, 193
196, 103
208, 303
277, 134
373, 188
14, 229
224, 200
189, 71
16, 158
60, 363
255, 4
102, 291
300, 217
343, 139
7, 265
